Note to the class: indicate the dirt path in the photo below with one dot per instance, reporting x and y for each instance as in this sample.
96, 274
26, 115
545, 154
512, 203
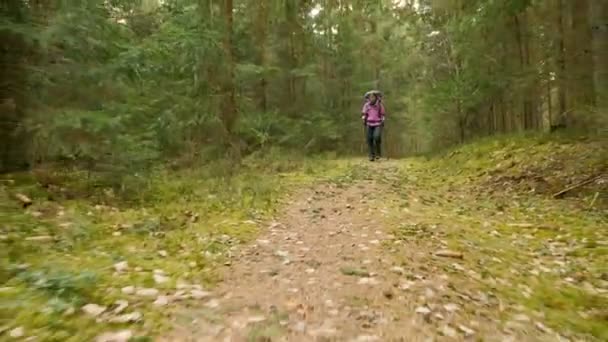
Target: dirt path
327, 271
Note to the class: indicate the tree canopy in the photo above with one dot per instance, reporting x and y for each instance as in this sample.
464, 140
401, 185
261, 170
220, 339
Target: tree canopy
129, 83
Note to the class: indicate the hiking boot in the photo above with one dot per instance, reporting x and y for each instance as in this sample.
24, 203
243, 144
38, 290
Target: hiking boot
372, 158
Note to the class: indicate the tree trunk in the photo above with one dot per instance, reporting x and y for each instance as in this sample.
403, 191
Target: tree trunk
229, 114
261, 33
582, 58
599, 10
561, 66
13, 145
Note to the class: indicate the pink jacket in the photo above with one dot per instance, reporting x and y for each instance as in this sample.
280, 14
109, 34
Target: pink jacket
373, 114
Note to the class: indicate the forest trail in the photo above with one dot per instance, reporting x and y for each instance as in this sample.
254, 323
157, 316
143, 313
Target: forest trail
331, 269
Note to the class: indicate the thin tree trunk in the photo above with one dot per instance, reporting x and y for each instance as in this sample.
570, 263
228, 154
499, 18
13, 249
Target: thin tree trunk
229, 114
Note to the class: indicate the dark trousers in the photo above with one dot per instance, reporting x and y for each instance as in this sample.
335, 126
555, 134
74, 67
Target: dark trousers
374, 140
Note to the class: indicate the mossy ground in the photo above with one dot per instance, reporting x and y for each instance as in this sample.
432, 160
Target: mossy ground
493, 201
195, 216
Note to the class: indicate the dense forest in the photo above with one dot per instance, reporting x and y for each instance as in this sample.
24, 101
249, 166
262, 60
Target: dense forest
192, 170
111, 83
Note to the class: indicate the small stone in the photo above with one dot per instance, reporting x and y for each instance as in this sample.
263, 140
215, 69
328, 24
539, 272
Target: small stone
147, 292
192, 264
119, 336
310, 270
116, 234
122, 266
161, 301
93, 310
17, 332
138, 269
128, 290
127, 318
163, 253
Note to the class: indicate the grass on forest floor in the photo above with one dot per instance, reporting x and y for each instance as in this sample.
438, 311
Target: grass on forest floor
59, 254
546, 255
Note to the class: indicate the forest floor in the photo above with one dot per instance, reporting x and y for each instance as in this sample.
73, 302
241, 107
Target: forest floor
470, 245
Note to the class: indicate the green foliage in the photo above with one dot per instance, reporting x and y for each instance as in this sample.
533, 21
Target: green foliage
63, 285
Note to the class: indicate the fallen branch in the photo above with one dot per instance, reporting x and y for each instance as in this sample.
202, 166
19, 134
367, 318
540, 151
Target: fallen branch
575, 186
449, 254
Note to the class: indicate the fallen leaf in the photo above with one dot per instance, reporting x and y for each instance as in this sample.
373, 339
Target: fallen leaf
466, 330
423, 310
451, 307
199, 294
214, 303
351, 271
449, 331
398, 270
119, 336
127, 318
128, 290
121, 305
17, 332
24, 200
147, 292
40, 238
256, 319
122, 266
93, 310
161, 301
160, 279
368, 281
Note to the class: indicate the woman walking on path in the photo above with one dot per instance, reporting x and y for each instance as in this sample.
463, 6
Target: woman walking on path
373, 119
